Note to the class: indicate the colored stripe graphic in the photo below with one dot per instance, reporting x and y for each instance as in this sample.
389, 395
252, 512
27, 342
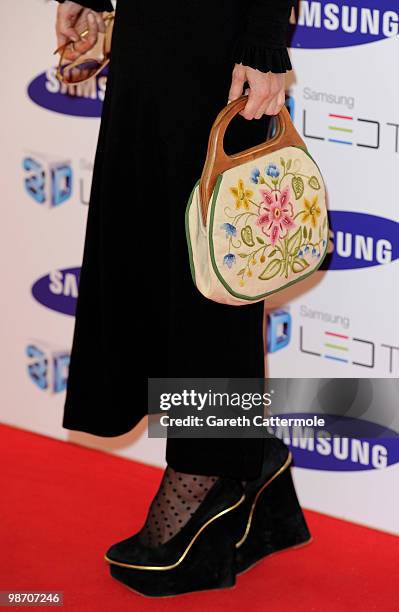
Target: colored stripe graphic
340, 141
340, 116
340, 129
337, 128
336, 335
336, 358
336, 347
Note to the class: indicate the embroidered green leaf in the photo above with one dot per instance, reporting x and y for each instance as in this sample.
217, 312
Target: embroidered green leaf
299, 265
295, 242
289, 164
320, 232
271, 270
297, 186
314, 182
261, 180
310, 234
241, 272
243, 255
260, 240
247, 236
305, 232
273, 253
324, 223
282, 162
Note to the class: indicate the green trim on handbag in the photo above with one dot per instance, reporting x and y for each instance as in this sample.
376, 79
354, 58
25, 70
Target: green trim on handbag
187, 228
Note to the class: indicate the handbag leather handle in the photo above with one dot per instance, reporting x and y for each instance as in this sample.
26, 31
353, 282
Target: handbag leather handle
217, 160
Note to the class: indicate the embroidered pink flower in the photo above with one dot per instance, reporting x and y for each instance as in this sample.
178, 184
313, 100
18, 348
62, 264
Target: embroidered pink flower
276, 214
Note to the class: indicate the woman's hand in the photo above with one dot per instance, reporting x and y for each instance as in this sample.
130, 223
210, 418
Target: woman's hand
266, 91
72, 20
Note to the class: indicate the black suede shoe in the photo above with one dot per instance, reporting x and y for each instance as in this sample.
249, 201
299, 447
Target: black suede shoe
272, 518
200, 556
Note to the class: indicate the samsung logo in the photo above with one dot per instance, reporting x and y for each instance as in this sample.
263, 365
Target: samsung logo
367, 446
58, 290
328, 98
325, 317
358, 240
81, 100
342, 24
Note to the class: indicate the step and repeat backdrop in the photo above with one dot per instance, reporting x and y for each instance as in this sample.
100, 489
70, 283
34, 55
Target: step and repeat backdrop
342, 323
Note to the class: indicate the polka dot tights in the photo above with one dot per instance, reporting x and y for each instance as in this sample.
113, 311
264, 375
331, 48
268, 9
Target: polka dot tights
177, 499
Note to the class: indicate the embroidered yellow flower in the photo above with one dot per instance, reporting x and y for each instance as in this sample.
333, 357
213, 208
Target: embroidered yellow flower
311, 211
241, 195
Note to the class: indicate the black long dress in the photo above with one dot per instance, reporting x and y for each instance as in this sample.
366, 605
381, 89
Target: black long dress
138, 312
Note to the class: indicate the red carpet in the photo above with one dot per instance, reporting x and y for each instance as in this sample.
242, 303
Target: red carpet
62, 505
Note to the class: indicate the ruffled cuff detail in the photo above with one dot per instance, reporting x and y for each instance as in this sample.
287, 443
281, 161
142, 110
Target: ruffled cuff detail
96, 5
262, 58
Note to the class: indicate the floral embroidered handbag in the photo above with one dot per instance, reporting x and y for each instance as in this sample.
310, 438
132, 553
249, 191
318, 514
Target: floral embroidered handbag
256, 221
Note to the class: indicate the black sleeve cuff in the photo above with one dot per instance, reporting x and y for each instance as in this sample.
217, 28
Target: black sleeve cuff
95, 5
261, 57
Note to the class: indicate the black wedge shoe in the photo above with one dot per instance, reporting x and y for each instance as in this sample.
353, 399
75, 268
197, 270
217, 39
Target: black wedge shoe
271, 515
200, 556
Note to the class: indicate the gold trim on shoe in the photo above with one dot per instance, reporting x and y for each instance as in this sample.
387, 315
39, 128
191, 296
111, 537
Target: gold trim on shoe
173, 565
282, 469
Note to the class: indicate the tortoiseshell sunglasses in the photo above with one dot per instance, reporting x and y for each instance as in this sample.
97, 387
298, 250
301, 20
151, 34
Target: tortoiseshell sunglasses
90, 63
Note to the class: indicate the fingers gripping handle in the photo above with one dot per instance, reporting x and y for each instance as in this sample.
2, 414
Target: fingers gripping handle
217, 160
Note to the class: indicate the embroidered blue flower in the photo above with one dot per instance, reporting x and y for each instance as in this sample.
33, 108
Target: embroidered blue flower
229, 260
324, 243
230, 230
306, 249
300, 254
272, 170
255, 174
313, 251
